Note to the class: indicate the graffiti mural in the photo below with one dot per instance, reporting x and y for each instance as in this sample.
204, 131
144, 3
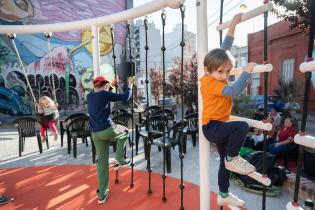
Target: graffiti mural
67, 66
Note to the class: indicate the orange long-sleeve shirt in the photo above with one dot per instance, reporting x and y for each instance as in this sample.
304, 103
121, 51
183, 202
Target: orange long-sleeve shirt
215, 106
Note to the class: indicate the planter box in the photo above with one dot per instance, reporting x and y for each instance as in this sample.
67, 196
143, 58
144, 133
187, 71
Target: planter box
309, 160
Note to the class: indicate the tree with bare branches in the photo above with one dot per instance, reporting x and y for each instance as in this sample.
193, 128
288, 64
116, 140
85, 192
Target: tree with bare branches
190, 77
156, 83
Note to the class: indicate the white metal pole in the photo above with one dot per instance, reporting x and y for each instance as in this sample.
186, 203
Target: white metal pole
204, 148
96, 51
129, 14
251, 14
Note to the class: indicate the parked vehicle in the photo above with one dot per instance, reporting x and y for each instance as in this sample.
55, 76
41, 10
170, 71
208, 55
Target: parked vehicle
272, 102
143, 103
168, 104
275, 102
294, 106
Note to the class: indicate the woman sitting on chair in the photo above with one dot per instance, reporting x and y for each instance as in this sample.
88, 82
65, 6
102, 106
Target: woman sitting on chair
285, 141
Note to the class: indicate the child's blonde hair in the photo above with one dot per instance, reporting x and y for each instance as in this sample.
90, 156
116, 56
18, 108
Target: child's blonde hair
216, 58
46, 98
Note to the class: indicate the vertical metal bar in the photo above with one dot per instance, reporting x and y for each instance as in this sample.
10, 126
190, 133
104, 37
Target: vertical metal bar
265, 101
146, 47
181, 155
308, 76
204, 148
163, 17
221, 19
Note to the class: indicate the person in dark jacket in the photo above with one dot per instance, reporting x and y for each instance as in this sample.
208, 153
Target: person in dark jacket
103, 129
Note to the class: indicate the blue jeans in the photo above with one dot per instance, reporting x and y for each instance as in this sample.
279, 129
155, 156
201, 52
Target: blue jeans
229, 138
281, 148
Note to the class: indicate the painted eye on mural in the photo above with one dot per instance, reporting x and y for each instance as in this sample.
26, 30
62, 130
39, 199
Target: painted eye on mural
22, 4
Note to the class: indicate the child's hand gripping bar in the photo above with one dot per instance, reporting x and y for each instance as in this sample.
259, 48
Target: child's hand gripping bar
253, 123
246, 16
257, 69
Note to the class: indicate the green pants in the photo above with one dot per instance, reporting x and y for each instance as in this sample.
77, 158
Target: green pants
101, 141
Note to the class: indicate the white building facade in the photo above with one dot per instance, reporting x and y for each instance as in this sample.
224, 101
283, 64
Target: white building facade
241, 59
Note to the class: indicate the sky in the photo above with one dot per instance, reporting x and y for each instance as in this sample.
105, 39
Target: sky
231, 7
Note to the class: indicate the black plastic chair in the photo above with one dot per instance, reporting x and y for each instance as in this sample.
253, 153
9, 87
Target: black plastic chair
28, 127
63, 124
78, 128
123, 118
116, 112
148, 112
157, 125
168, 114
142, 125
192, 127
172, 137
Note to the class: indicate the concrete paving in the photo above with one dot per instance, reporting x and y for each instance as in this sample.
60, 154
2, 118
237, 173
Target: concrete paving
58, 155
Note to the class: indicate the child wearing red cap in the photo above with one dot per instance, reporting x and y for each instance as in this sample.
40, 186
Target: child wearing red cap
102, 130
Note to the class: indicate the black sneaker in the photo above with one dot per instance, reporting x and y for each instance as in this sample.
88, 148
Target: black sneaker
118, 165
5, 200
287, 171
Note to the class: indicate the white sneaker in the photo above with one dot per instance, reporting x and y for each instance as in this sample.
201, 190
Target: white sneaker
239, 165
104, 199
232, 200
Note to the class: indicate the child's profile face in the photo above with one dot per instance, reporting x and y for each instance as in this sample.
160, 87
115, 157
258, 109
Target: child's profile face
45, 103
223, 72
258, 131
273, 112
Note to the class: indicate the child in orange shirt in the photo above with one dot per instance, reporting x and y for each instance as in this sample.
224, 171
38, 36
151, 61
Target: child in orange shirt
217, 96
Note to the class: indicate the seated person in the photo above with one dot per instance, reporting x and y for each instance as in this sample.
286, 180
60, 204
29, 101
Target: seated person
258, 136
276, 118
272, 134
285, 141
255, 142
287, 113
259, 114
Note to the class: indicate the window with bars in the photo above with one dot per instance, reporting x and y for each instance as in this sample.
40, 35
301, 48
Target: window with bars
287, 70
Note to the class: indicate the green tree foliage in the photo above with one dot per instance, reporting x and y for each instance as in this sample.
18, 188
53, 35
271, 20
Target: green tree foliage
296, 12
287, 91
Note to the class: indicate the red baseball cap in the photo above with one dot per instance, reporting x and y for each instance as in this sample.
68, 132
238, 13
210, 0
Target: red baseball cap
100, 79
